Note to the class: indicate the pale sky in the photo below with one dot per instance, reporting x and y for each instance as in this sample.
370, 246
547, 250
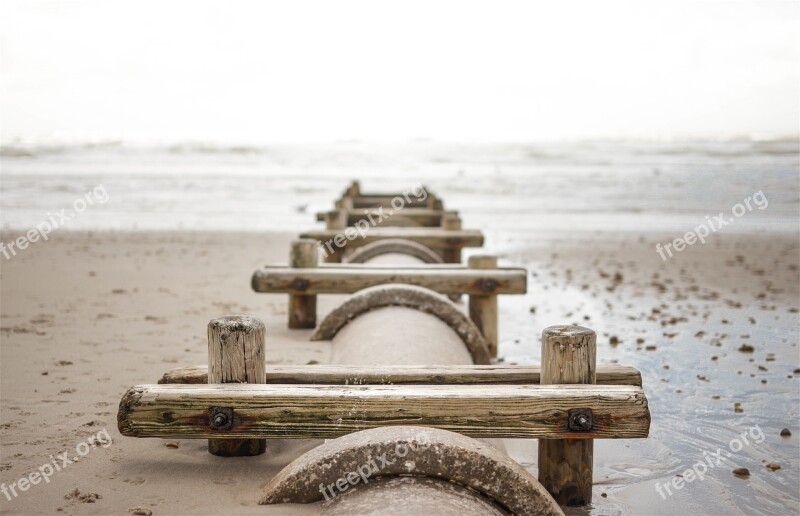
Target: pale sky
319, 71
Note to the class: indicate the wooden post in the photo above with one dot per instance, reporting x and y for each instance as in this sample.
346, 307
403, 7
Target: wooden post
451, 254
303, 308
565, 465
483, 309
354, 190
235, 355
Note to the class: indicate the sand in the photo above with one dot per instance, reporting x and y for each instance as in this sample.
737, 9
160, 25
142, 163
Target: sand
88, 314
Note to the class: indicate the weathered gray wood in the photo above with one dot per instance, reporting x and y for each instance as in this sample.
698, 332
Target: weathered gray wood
398, 375
325, 411
435, 238
236, 355
425, 217
334, 280
565, 466
451, 254
483, 309
303, 307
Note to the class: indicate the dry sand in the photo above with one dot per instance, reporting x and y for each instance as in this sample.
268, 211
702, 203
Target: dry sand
87, 315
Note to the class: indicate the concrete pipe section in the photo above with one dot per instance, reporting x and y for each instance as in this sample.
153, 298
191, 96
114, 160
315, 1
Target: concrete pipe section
394, 251
402, 325
355, 472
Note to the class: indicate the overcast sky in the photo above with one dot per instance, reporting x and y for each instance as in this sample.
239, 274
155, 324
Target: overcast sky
312, 71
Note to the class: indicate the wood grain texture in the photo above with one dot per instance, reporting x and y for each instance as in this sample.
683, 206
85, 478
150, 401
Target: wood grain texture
483, 309
566, 466
303, 307
324, 411
421, 216
236, 355
330, 280
434, 238
399, 375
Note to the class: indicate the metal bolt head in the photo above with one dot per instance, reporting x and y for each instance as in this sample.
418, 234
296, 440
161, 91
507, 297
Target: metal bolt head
220, 418
580, 420
488, 284
300, 284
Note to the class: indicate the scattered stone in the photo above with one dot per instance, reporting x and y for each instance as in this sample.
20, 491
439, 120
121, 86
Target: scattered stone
746, 348
614, 340
172, 445
140, 511
741, 472
737, 407
773, 466
650, 347
786, 432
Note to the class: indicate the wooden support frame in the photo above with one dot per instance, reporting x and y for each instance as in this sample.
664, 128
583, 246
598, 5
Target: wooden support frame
423, 217
325, 411
400, 375
482, 285
346, 280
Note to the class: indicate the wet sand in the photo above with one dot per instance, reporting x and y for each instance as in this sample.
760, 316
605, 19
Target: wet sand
88, 314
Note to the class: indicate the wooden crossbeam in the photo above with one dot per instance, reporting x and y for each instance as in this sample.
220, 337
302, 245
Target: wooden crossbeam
434, 238
345, 281
324, 411
399, 375
422, 216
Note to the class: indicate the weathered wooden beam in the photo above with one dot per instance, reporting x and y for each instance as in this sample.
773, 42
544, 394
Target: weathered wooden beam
423, 216
235, 355
325, 411
483, 309
565, 465
302, 307
451, 254
435, 238
345, 281
399, 375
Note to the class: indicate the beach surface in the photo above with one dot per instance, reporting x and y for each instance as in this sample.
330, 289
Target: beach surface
90, 314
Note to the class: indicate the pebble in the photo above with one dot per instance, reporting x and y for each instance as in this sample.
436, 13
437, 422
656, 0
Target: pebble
785, 432
773, 466
746, 348
171, 445
741, 472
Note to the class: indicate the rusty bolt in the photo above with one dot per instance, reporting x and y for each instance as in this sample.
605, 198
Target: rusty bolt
220, 418
487, 284
580, 420
300, 284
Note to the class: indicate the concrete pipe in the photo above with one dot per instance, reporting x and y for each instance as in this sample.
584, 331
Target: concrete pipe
394, 251
402, 325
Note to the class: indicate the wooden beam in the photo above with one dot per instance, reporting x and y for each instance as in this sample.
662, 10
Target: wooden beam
483, 309
236, 355
399, 375
435, 238
346, 281
566, 465
422, 216
325, 411
303, 308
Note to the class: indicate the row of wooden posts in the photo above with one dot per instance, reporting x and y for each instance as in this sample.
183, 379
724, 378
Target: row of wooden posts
237, 402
